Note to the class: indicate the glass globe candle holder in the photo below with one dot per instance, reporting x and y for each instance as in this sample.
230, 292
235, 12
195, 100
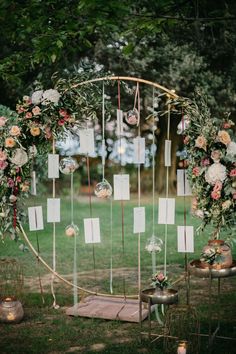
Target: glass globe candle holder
72, 230
154, 244
103, 189
132, 117
68, 165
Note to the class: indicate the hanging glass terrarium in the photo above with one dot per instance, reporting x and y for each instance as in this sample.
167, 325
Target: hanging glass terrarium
68, 165
154, 244
72, 230
132, 117
103, 189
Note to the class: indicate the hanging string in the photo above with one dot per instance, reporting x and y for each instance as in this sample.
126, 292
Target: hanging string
185, 222
103, 132
153, 184
111, 247
53, 239
167, 191
139, 191
75, 293
122, 207
33, 181
91, 215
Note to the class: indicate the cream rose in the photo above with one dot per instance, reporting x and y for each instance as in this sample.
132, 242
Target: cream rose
15, 131
20, 158
224, 137
35, 131
201, 142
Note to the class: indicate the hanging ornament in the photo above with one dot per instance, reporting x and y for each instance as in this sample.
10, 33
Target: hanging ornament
132, 117
68, 165
103, 189
72, 230
154, 244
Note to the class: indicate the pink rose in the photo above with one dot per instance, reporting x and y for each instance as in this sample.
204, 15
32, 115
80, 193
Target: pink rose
28, 115
3, 164
196, 171
217, 186
226, 125
10, 182
233, 173
215, 195
20, 109
18, 179
186, 140
36, 111
3, 155
61, 122
63, 112
160, 277
48, 133
234, 195
2, 121
205, 162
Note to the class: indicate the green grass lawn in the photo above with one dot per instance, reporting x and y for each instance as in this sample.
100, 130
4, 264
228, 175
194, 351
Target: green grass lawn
45, 330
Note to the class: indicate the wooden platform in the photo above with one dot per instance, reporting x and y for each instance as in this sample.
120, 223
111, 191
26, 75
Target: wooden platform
108, 308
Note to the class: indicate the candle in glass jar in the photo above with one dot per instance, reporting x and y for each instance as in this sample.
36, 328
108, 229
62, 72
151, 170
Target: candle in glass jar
182, 348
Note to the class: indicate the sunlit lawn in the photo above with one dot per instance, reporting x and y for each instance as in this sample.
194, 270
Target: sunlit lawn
45, 330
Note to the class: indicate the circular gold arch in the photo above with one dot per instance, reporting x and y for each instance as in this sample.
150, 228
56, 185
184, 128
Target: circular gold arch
172, 94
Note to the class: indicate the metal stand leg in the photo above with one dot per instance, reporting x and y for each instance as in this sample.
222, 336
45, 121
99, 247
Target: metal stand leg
149, 318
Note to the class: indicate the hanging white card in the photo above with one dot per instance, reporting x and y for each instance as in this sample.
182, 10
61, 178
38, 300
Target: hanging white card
92, 230
167, 153
139, 150
185, 239
183, 187
121, 187
53, 166
35, 215
166, 211
139, 220
119, 122
33, 189
53, 210
87, 145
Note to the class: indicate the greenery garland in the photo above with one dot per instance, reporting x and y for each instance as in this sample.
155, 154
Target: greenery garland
41, 117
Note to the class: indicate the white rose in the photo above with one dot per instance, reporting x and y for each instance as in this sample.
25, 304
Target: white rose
37, 97
216, 172
20, 157
231, 149
50, 95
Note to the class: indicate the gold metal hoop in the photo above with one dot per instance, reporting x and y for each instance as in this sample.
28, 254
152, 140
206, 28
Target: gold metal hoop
115, 78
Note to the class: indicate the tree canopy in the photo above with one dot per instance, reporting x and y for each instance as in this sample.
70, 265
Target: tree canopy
181, 40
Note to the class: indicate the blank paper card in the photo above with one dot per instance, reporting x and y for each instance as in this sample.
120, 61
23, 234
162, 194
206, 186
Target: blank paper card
185, 239
92, 230
166, 211
35, 215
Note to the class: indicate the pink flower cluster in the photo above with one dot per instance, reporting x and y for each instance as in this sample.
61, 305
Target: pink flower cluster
3, 162
216, 193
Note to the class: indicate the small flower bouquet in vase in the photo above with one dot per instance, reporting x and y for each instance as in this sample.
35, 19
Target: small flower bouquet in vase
160, 281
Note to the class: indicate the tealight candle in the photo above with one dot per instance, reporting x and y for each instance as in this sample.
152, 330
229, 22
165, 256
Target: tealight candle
182, 347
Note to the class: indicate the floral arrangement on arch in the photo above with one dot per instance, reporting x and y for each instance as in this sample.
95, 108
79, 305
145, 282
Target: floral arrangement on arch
210, 150
44, 115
